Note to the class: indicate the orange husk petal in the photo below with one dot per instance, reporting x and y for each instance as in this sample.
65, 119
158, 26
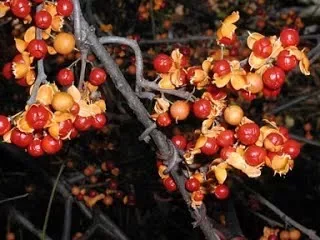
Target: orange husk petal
238, 162
220, 82
175, 78
256, 62
26, 58
91, 87
27, 19
51, 50
23, 125
46, 33
45, 94
30, 34
20, 45
227, 30
161, 171
252, 38
165, 82
280, 164
101, 104
3, 9
276, 49
30, 77
85, 110
199, 76
304, 64
54, 130
7, 136
220, 174
51, 8
232, 18
176, 56
57, 23
238, 82
62, 116
206, 65
94, 109
19, 70
201, 141
162, 105
75, 93
219, 34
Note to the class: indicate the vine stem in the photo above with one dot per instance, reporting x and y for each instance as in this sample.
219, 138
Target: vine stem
45, 224
14, 198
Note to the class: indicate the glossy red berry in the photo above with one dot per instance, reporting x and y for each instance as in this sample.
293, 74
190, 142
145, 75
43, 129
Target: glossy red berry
289, 37
38, 1
270, 92
216, 93
226, 151
37, 116
273, 237
82, 123
284, 131
169, 184
292, 148
192, 184
43, 19
273, 142
34, 149
7, 71
65, 77
228, 41
210, 147
97, 76
20, 139
162, 63
201, 108
248, 133
75, 109
179, 141
273, 78
5, 125
198, 196
225, 138
221, 67
113, 184
20, 8
51, 145
255, 155
262, 48
246, 95
222, 192
37, 48
99, 121
64, 7
164, 119
65, 128
286, 61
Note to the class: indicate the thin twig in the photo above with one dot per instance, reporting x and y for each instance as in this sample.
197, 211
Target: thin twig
45, 224
270, 221
41, 75
17, 216
293, 102
14, 198
304, 140
309, 232
84, 55
67, 218
174, 40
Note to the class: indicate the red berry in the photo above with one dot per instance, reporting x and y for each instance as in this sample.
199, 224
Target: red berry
65, 127
51, 145
4, 125
164, 119
37, 48
20, 139
248, 133
113, 184
191, 72
284, 131
273, 78
221, 67
198, 196
228, 41
192, 184
20, 8
162, 63
222, 191
246, 95
255, 155
64, 7
201, 108
169, 184
97, 76
7, 71
262, 48
286, 61
179, 141
289, 37
216, 93
292, 148
225, 138
270, 92
43, 19
75, 109
273, 142
99, 121
34, 149
65, 77
210, 147
37, 116
273, 237
82, 123
226, 151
